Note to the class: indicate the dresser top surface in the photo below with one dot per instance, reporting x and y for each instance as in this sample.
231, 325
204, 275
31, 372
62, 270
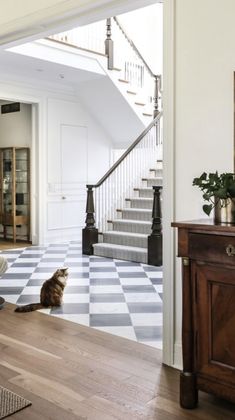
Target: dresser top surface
204, 224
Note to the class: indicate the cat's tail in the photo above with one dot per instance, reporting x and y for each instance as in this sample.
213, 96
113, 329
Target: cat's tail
29, 308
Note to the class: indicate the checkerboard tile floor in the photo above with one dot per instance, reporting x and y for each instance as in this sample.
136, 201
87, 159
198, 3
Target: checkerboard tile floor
119, 297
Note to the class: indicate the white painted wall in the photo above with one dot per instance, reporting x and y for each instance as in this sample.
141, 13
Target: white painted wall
56, 109
16, 127
204, 109
145, 27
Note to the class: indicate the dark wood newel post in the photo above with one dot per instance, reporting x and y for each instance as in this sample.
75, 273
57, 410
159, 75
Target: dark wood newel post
155, 238
89, 233
109, 44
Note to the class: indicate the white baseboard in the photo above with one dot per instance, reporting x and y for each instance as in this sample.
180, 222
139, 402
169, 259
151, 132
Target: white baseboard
178, 361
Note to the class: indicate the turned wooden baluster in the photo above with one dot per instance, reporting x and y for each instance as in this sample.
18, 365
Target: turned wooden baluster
155, 238
156, 95
109, 44
89, 233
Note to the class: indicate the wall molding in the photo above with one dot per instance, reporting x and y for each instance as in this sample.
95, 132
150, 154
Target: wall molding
168, 181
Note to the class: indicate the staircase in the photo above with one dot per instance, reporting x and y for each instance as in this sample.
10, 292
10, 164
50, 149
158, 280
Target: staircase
128, 235
127, 208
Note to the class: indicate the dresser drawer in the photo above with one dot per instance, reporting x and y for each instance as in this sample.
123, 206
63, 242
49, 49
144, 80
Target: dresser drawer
212, 248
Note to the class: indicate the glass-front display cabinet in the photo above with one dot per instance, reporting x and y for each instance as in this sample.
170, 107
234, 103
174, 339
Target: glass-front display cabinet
15, 194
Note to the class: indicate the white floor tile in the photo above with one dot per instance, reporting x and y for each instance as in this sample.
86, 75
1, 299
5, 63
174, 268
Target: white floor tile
109, 308
135, 282
142, 297
104, 275
11, 298
21, 270
149, 319
76, 298
32, 290
13, 283
106, 289
78, 282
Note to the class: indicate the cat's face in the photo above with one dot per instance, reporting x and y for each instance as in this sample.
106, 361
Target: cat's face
62, 273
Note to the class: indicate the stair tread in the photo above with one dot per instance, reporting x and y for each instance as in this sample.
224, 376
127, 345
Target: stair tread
119, 232
145, 222
143, 189
152, 178
140, 198
121, 247
133, 209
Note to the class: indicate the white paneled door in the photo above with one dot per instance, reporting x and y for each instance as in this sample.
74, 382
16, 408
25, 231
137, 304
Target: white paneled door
66, 210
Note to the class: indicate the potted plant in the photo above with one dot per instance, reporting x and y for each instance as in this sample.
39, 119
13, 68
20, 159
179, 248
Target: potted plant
219, 191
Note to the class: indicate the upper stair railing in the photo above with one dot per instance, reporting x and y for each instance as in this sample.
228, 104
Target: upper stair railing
109, 38
118, 183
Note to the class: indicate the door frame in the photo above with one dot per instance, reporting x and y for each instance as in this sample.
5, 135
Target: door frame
37, 178
171, 356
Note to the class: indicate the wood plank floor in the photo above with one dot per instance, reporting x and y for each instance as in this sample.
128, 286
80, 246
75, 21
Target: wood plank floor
72, 372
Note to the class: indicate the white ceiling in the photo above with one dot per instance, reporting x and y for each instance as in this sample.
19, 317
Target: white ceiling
40, 72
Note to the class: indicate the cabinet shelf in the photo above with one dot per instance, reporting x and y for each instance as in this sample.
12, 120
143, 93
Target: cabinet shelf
15, 193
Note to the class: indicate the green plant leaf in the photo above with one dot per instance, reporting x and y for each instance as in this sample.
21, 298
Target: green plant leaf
207, 208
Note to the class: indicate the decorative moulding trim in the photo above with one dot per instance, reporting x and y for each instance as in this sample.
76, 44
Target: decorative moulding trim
62, 16
169, 307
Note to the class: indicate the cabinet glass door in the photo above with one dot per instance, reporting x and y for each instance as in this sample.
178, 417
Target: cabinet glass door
7, 185
21, 182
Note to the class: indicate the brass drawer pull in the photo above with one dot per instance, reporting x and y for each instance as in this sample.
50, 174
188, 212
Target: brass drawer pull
230, 250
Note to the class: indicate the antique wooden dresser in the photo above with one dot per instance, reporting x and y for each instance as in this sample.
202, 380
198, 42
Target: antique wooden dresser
208, 327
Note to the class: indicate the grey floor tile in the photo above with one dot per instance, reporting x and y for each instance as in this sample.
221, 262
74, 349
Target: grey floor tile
71, 308
138, 289
35, 282
102, 269
148, 307
148, 333
151, 268
48, 270
156, 281
107, 297
128, 274
25, 255
100, 320
57, 260
104, 282
16, 276
161, 295
126, 264
21, 264
100, 259
25, 299
11, 290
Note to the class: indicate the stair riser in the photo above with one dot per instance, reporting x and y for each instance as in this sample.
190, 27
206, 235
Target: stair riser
132, 228
156, 173
154, 182
137, 215
146, 193
125, 240
122, 255
138, 204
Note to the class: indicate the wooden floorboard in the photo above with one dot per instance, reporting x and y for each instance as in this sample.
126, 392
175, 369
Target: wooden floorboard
72, 372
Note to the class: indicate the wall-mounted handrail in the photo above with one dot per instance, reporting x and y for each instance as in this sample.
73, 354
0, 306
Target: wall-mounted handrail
126, 153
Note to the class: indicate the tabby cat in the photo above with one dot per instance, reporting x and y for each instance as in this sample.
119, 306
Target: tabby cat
51, 294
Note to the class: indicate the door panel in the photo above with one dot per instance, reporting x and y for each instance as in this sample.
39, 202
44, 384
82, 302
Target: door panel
215, 320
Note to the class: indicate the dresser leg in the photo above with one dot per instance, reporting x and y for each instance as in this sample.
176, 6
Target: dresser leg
188, 390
